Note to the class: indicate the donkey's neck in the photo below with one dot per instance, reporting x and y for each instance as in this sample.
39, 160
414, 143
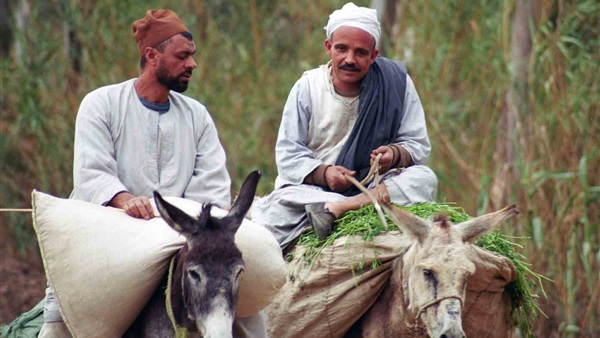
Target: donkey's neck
388, 317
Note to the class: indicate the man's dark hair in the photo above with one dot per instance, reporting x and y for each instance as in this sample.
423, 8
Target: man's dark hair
161, 47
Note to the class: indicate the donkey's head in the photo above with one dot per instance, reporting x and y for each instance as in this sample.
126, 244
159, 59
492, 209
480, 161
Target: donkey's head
436, 267
208, 273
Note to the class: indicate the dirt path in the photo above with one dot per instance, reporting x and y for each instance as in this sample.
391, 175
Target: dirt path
22, 280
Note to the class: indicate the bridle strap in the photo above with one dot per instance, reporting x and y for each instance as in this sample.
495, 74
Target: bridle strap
180, 332
435, 301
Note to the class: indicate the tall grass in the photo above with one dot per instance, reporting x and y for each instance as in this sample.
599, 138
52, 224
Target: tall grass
461, 68
251, 52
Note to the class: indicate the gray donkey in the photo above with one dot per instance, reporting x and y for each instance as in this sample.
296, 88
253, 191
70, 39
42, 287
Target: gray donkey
204, 286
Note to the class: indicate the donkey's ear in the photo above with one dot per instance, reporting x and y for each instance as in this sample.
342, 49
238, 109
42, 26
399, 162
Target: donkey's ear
175, 218
409, 223
478, 226
244, 200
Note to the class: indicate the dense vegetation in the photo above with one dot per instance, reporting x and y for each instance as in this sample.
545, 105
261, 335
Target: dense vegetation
544, 157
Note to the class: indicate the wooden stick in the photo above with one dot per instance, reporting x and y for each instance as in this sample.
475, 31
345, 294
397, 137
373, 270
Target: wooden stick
373, 172
373, 200
15, 210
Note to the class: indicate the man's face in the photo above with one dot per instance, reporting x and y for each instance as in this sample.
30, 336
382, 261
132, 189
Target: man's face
352, 50
176, 63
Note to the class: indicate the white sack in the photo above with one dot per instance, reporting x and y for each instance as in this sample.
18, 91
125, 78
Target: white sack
104, 265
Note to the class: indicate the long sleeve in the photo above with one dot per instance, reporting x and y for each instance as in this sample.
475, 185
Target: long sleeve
293, 157
412, 134
95, 172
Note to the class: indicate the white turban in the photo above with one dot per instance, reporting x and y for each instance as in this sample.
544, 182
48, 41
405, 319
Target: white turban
354, 16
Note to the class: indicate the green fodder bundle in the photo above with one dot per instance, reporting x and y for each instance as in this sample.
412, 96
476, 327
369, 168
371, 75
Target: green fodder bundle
365, 222
525, 310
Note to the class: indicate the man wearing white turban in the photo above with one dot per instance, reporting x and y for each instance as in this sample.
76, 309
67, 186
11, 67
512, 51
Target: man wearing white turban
337, 119
353, 16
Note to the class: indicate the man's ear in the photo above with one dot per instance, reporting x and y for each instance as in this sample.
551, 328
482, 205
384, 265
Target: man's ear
150, 54
374, 54
328, 46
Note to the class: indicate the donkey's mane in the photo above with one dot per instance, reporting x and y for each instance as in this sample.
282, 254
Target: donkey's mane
442, 219
205, 218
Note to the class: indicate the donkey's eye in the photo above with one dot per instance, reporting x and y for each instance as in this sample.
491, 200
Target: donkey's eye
194, 275
428, 274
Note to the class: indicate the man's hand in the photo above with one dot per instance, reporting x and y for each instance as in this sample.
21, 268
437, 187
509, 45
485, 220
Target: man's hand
388, 156
336, 179
134, 206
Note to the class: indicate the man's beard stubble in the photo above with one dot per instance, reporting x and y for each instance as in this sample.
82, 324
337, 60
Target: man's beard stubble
172, 82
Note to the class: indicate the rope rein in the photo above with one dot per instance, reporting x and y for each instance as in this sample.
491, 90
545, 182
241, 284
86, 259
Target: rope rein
435, 301
180, 332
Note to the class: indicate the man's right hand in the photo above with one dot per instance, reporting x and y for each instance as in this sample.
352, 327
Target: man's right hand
134, 206
336, 178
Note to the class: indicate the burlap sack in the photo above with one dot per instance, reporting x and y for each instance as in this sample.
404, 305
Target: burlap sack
105, 265
486, 302
325, 300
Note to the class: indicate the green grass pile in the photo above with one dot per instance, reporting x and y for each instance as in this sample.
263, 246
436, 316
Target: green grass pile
366, 223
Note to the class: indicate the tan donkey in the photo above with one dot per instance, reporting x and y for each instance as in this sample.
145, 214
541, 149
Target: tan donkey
429, 281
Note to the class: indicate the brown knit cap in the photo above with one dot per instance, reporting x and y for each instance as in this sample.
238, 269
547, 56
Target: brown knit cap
157, 26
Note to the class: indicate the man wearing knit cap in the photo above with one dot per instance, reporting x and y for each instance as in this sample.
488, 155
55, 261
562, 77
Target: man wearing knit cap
142, 135
338, 118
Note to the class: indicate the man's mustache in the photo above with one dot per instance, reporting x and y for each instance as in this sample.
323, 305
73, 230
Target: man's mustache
351, 68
